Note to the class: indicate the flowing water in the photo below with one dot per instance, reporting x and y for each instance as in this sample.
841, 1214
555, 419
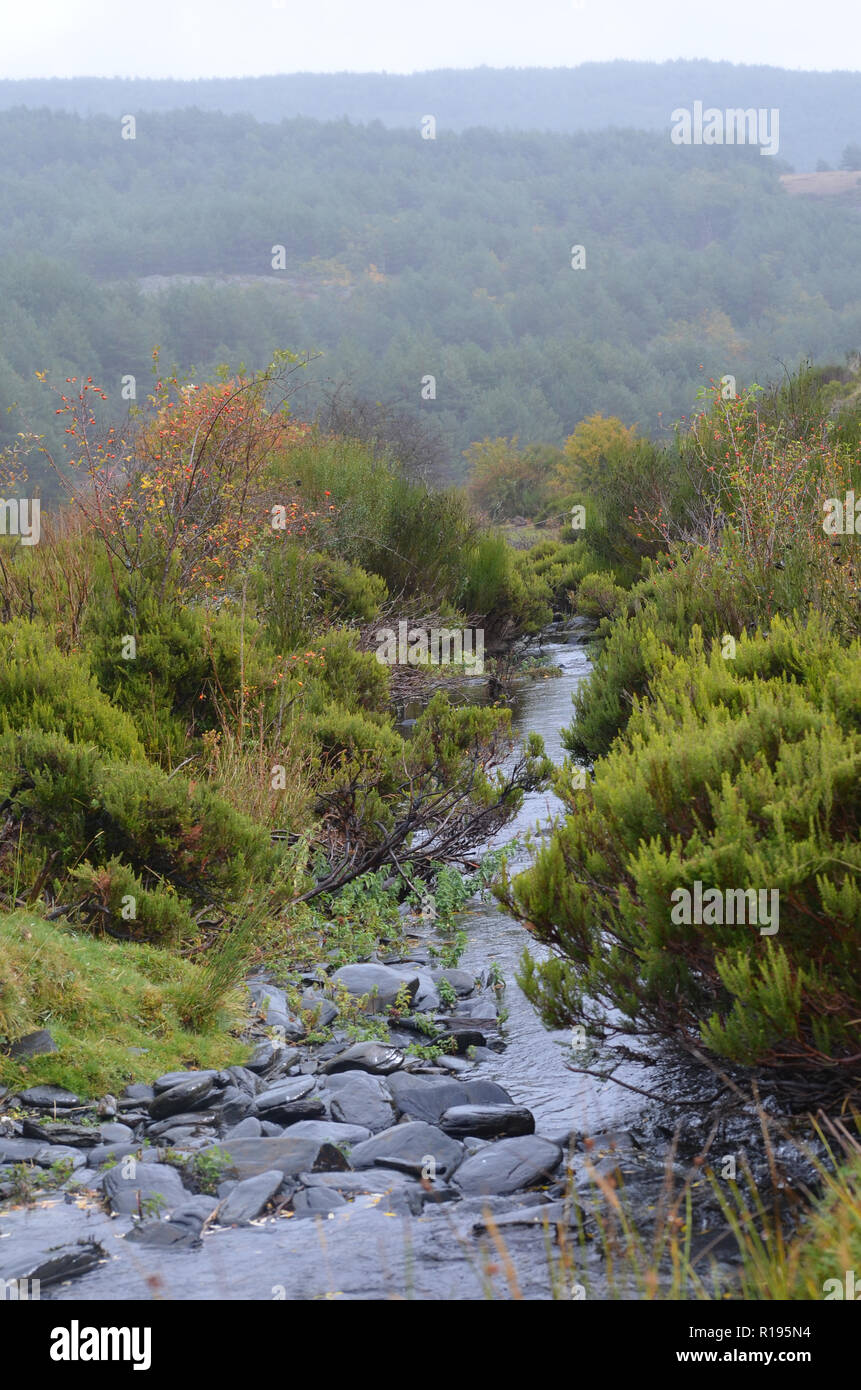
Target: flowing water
533, 1066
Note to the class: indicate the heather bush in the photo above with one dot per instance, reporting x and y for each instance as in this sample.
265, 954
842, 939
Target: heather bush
735, 774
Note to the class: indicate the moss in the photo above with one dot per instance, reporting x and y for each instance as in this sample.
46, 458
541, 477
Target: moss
100, 1000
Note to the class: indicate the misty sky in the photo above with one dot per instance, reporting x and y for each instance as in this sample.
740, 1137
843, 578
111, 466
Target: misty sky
233, 38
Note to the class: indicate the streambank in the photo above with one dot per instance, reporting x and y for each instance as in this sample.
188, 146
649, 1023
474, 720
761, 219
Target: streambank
380, 1168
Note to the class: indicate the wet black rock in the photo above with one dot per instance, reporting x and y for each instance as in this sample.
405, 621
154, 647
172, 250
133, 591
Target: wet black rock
420, 1098
33, 1044
297, 1111
152, 1183
57, 1265
330, 1131
187, 1095
50, 1097
380, 983
249, 1197
182, 1078
248, 1157
360, 1098
461, 1034
136, 1095
232, 1104
508, 1166
460, 980
414, 1147
374, 1057
269, 1102
268, 1054
487, 1121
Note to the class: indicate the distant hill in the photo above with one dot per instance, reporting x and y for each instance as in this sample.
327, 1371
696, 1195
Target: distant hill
488, 283
819, 112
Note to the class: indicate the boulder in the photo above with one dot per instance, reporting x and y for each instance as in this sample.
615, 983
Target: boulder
360, 1098
415, 1147
249, 1197
487, 1121
151, 1182
380, 983
509, 1166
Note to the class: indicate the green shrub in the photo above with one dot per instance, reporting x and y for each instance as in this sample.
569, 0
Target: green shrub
171, 836
735, 774
188, 666
348, 678
598, 597
299, 591
43, 689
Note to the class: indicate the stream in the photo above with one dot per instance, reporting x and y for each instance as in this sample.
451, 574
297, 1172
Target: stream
532, 1067
376, 1242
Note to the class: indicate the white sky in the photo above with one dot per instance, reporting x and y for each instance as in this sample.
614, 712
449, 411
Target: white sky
234, 38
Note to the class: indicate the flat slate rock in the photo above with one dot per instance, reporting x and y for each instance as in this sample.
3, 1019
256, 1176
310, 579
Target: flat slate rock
558, 1213
360, 1098
249, 1197
181, 1078
186, 1095
284, 1092
316, 1201
249, 1157
33, 1044
487, 1121
509, 1166
380, 983
428, 1098
249, 1128
150, 1181
200, 1119
414, 1147
375, 1057
62, 1262
21, 1150
329, 1131
460, 980
370, 1180
121, 1149
46, 1097
182, 1233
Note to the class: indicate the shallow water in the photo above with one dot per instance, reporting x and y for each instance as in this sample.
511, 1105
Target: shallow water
532, 1067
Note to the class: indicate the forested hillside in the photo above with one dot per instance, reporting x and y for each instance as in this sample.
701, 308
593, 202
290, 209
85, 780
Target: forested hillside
406, 259
819, 111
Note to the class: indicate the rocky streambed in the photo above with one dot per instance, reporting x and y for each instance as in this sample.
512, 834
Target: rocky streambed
349, 1169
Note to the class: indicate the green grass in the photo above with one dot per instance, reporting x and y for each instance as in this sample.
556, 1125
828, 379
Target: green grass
100, 999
